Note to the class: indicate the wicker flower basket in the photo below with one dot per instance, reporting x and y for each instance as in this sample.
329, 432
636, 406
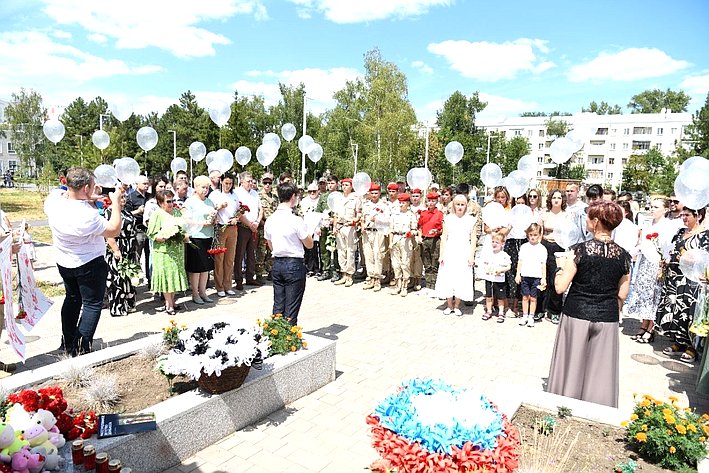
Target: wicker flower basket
231, 378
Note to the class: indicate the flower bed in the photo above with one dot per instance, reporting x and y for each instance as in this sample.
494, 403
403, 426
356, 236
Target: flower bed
431, 426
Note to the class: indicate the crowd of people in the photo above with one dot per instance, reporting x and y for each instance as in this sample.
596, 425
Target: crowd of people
433, 240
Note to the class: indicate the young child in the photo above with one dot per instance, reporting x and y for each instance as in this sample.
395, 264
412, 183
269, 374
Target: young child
493, 264
531, 272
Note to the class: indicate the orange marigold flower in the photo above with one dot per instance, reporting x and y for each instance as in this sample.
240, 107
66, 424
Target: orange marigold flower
641, 437
633, 417
670, 419
292, 348
658, 402
305, 344
644, 403
673, 449
705, 429
692, 428
647, 413
289, 338
274, 332
277, 316
293, 329
299, 335
673, 398
681, 429
702, 438
643, 427
667, 412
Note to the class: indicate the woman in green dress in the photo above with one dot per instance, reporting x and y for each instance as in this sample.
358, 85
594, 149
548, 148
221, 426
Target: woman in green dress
165, 230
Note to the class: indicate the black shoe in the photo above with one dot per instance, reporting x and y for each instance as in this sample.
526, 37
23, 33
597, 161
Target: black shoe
269, 277
324, 276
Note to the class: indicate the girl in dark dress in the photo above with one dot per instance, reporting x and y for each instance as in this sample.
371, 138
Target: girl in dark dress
120, 289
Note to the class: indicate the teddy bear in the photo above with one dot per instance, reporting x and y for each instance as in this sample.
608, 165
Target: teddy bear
51, 462
17, 417
25, 461
37, 436
9, 442
49, 422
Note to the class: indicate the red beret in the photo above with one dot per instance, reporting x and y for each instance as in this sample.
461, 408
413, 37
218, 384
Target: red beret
374, 186
347, 179
416, 191
392, 186
404, 197
432, 196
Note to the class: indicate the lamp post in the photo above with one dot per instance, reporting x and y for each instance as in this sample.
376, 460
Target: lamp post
81, 149
100, 119
302, 160
355, 152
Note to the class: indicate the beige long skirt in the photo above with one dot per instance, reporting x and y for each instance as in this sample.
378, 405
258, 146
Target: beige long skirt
584, 364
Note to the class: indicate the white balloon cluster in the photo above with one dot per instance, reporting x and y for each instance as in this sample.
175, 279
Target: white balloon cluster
178, 164
220, 114
222, 160
101, 139
692, 183
147, 138
126, 170
197, 151
361, 182
418, 178
307, 145
54, 130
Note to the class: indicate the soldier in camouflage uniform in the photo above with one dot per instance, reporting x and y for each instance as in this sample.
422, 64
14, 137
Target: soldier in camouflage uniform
269, 202
346, 221
330, 266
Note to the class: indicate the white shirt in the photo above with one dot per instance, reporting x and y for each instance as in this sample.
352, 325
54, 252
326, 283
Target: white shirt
531, 260
77, 230
285, 231
626, 236
232, 205
251, 200
490, 262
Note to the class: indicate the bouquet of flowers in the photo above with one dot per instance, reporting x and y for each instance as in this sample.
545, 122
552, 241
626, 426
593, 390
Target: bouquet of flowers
282, 336
209, 349
128, 269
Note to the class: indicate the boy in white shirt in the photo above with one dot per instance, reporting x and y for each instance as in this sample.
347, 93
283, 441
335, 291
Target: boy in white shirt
531, 272
493, 264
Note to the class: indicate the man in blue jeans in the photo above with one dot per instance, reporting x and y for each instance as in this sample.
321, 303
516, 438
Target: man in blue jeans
79, 233
287, 236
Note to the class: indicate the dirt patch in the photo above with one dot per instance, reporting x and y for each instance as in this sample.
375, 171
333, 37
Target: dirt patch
139, 385
576, 445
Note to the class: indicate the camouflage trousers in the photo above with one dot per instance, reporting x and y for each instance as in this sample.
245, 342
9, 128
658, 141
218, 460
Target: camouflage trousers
263, 255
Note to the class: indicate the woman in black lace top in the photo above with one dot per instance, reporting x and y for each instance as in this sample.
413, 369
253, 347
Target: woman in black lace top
584, 364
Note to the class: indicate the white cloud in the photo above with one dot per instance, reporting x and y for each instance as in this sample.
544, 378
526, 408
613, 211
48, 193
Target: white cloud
422, 66
428, 113
499, 106
320, 84
97, 38
61, 34
164, 24
627, 65
696, 85
491, 62
28, 57
342, 11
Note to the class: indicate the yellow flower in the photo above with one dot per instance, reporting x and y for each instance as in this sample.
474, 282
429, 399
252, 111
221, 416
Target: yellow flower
702, 438
692, 428
265, 326
172, 322
293, 329
705, 429
644, 403
289, 338
643, 427
667, 412
292, 348
258, 321
647, 413
305, 344
300, 335
183, 327
681, 429
705, 417
673, 449
274, 332
278, 316
633, 417
670, 419
673, 398
641, 437
658, 402
624, 423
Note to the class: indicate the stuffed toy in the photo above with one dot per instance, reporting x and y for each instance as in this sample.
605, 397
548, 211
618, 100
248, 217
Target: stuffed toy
9, 442
51, 462
25, 461
17, 417
49, 422
37, 436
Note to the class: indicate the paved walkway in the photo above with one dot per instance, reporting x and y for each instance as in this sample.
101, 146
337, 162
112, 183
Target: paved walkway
381, 340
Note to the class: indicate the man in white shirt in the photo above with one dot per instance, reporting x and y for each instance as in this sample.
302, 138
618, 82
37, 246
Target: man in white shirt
248, 227
79, 234
287, 236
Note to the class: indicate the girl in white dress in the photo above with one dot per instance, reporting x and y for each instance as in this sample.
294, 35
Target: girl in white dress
455, 273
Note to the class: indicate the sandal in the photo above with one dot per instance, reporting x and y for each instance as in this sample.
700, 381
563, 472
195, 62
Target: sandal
673, 349
639, 334
500, 319
487, 316
689, 356
170, 311
647, 337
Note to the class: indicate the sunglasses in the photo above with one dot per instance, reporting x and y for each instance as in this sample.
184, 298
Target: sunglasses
674, 201
169, 201
533, 196
312, 192
267, 182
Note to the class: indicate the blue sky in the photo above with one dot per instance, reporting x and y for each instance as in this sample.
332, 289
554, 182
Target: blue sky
520, 55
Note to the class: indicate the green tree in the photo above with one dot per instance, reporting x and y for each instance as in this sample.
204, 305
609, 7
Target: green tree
557, 128
653, 101
650, 172
602, 109
533, 114
25, 117
698, 132
512, 150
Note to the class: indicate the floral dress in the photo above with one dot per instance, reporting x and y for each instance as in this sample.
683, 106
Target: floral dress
679, 294
168, 256
120, 289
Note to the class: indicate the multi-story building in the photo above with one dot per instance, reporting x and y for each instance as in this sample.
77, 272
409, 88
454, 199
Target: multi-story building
8, 157
609, 140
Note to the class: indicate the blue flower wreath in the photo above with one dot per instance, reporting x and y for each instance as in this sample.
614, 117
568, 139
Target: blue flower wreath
397, 414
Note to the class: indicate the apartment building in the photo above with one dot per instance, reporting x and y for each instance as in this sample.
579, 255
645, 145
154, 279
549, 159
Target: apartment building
609, 140
8, 157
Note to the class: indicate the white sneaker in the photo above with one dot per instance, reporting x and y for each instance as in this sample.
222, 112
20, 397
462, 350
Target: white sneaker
523, 321
231, 292
530, 321
221, 293
447, 311
457, 312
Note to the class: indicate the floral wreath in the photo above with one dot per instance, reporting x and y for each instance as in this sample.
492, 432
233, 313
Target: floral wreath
430, 426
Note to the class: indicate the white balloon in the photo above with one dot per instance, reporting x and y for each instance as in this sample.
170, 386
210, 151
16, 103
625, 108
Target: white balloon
127, 170
577, 138
54, 130
491, 175
521, 217
223, 160
100, 139
527, 165
567, 234
106, 176
243, 155
561, 150
197, 151
315, 153
418, 178
210, 157
147, 138
272, 138
517, 183
305, 143
264, 155
694, 173
335, 200
694, 199
494, 215
121, 112
454, 152
288, 131
694, 264
361, 183
178, 164
220, 114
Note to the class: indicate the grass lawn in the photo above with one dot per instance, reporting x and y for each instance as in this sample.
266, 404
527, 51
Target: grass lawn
21, 204
41, 235
50, 290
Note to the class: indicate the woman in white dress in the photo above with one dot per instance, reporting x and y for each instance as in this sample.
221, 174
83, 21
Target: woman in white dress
455, 272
